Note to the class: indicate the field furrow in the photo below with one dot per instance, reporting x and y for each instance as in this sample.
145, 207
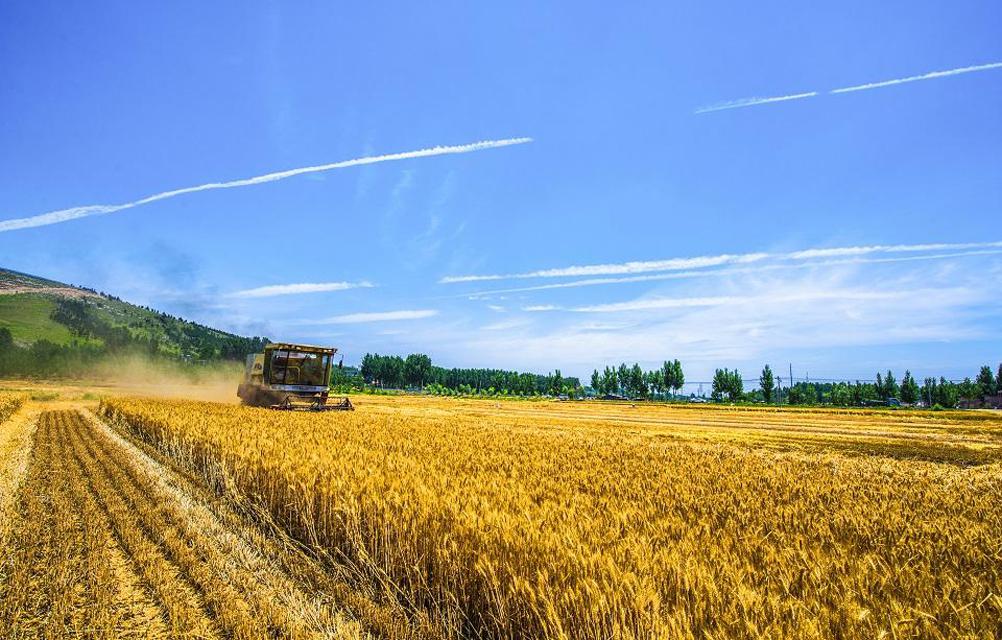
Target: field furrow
181, 609
270, 572
184, 555
29, 559
105, 544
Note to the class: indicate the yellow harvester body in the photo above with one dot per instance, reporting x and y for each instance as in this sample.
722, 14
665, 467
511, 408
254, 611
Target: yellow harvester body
290, 376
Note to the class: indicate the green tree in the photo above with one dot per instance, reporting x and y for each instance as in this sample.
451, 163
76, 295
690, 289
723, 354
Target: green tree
668, 375
608, 381
803, 393
840, 394
638, 386
417, 369
998, 380
596, 382
968, 390
909, 389
891, 389
767, 383
985, 382
556, 383
727, 383
655, 381
623, 376
673, 376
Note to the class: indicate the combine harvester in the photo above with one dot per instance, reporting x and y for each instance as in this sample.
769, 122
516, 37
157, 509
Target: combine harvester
290, 377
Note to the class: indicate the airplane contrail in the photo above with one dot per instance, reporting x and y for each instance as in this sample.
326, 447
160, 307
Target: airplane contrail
925, 76
64, 215
749, 102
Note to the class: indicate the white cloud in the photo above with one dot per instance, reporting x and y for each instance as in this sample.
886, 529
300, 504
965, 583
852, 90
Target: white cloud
540, 307
65, 215
775, 318
705, 262
378, 316
651, 304
504, 325
671, 264
294, 289
719, 273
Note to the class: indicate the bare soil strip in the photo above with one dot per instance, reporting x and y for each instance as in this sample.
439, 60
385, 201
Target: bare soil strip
104, 544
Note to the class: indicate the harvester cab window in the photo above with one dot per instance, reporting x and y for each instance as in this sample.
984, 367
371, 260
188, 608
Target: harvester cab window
298, 367
314, 369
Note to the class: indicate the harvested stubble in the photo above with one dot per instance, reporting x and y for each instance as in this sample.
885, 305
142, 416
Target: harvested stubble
101, 548
552, 528
9, 403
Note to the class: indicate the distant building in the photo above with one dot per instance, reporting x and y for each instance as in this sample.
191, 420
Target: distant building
989, 402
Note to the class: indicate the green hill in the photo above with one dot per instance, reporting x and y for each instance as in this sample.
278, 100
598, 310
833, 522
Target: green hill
44, 321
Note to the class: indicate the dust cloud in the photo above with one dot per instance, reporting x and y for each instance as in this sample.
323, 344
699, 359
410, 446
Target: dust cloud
134, 375
216, 382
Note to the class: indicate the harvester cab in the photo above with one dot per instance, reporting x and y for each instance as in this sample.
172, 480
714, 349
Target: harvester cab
290, 376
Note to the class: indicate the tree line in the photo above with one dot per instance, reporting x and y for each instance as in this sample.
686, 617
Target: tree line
417, 371
885, 389
634, 382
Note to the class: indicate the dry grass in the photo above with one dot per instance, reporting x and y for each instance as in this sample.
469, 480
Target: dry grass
563, 520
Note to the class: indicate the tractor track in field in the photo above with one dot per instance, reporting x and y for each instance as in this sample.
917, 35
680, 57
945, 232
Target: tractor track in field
104, 544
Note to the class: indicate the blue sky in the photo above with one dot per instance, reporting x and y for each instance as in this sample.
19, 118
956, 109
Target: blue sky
107, 104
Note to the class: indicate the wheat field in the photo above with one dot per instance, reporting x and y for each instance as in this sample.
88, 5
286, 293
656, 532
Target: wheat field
447, 518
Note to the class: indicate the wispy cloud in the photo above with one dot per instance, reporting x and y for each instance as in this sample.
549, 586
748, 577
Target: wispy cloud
378, 316
671, 264
890, 248
661, 303
654, 304
925, 76
73, 213
750, 102
718, 273
540, 307
293, 289
703, 262
748, 321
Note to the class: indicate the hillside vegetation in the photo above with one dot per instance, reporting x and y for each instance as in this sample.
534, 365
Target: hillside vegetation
51, 328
